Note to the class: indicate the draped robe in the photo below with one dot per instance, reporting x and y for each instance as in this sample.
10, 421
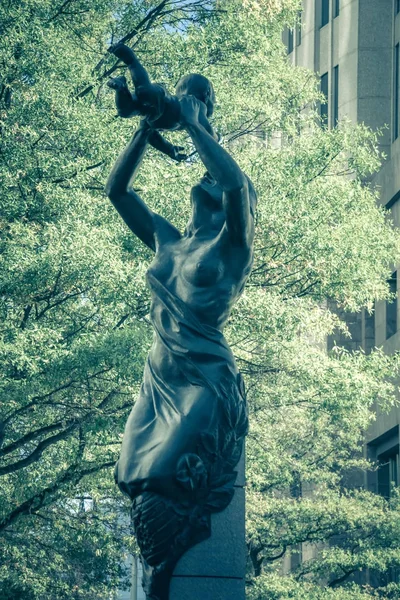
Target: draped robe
192, 417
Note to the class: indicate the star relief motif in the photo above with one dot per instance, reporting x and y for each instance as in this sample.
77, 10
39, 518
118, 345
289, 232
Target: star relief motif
191, 472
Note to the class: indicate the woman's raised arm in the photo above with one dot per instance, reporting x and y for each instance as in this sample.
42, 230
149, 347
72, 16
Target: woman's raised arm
137, 215
226, 172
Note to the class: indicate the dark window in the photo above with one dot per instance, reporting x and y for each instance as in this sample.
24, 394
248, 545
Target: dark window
369, 331
335, 95
396, 92
296, 556
388, 470
290, 41
299, 27
324, 12
391, 308
296, 488
296, 551
397, 6
336, 8
324, 105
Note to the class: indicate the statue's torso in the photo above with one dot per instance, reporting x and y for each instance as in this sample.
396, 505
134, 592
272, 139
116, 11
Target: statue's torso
207, 276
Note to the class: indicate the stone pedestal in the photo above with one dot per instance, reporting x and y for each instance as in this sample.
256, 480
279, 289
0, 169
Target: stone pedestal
215, 569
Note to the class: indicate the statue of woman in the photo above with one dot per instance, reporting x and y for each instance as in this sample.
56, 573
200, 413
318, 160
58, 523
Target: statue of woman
185, 434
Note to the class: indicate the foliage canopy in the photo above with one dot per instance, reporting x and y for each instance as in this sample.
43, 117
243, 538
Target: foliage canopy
74, 304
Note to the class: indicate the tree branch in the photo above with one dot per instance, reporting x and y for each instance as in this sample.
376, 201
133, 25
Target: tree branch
32, 435
70, 477
340, 580
37, 453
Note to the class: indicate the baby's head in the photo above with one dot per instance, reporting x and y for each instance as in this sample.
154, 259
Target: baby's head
198, 86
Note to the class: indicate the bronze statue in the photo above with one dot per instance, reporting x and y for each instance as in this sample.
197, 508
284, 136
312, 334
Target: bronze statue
184, 436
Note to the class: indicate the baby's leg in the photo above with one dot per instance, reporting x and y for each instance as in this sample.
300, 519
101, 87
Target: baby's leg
127, 104
138, 72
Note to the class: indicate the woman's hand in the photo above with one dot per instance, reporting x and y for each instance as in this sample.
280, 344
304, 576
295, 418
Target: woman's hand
192, 110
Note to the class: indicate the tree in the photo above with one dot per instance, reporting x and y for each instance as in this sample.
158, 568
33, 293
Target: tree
74, 302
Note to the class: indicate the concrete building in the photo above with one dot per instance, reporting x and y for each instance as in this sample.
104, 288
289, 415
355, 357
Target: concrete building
135, 590
354, 46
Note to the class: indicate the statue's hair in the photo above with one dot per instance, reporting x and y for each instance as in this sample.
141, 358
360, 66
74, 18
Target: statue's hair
198, 86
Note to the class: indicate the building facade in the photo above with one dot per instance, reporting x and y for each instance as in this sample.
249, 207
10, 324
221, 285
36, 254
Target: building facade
354, 46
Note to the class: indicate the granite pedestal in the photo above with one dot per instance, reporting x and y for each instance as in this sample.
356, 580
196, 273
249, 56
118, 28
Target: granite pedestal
215, 569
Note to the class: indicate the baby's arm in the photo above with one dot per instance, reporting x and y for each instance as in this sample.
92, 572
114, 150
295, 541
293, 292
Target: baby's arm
160, 143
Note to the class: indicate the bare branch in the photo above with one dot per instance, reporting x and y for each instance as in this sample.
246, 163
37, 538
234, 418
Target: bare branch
60, 10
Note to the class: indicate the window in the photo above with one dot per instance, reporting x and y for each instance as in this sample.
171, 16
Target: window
384, 452
296, 550
290, 41
397, 6
387, 477
299, 27
388, 469
335, 115
324, 12
396, 92
391, 308
323, 111
296, 556
368, 331
296, 487
336, 8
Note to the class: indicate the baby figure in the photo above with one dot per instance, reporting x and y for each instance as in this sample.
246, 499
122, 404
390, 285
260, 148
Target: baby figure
155, 104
